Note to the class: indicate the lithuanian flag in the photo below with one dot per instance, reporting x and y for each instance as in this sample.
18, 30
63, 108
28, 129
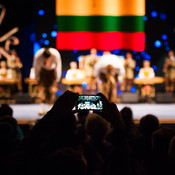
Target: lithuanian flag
100, 24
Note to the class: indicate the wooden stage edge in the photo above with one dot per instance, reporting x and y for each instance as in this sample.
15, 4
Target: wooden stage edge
161, 121
32, 122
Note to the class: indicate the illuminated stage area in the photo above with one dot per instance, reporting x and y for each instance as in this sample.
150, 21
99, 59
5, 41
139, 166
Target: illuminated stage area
28, 113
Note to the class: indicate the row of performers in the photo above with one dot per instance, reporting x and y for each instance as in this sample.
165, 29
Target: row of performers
106, 71
10, 69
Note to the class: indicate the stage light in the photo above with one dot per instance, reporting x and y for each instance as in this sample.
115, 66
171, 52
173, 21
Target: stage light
143, 53
133, 90
166, 43
137, 57
167, 48
117, 51
41, 12
53, 34
137, 76
33, 37
147, 57
145, 18
163, 16
55, 26
75, 50
134, 52
99, 54
59, 92
36, 47
84, 84
46, 42
157, 43
64, 73
154, 14
41, 41
137, 68
119, 92
78, 58
44, 35
164, 37
155, 67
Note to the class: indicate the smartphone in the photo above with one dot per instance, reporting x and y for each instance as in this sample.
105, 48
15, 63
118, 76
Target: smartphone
89, 102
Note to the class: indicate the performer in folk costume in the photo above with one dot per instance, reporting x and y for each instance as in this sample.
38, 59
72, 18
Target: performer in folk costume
14, 64
109, 71
147, 72
87, 63
48, 69
169, 72
75, 74
129, 65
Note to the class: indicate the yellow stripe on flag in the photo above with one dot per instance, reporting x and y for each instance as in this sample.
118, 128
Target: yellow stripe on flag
100, 7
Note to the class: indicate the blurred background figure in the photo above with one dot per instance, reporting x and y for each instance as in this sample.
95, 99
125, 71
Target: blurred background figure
108, 71
75, 74
129, 65
147, 72
48, 68
5, 73
14, 64
87, 63
169, 72
3, 70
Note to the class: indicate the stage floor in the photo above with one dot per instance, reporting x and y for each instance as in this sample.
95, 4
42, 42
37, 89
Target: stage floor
28, 113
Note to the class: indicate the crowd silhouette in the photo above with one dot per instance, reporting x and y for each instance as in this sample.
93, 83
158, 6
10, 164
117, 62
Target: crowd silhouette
65, 141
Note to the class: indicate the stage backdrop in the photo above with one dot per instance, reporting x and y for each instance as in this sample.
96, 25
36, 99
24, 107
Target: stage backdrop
101, 24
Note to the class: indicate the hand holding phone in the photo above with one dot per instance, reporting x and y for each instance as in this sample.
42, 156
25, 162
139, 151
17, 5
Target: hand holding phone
89, 102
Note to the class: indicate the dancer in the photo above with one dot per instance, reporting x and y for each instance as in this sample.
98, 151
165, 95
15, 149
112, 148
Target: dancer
109, 71
48, 68
169, 72
129, 65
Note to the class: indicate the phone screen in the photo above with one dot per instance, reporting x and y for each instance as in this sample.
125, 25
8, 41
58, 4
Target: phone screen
89, 102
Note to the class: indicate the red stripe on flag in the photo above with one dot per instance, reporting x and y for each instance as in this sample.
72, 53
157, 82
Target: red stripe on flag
100, 40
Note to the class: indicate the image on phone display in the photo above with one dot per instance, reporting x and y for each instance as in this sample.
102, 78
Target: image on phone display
89, 102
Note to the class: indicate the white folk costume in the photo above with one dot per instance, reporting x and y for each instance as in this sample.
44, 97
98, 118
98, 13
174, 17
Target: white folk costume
48, 70
147, 72
109, 70
74, 75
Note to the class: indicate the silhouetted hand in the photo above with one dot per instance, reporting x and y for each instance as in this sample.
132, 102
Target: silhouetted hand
60, 115
64, 104
111, 113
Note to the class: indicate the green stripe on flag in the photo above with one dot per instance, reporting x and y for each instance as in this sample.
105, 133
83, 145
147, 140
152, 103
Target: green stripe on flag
100, 23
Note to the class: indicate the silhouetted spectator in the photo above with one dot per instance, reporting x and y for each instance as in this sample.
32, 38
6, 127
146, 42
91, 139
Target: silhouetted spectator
160, 145
63, 161
131, 128
171, 157
142, 146
5, 109
7, 145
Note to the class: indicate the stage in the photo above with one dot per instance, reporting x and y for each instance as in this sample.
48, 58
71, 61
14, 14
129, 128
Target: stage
28, 113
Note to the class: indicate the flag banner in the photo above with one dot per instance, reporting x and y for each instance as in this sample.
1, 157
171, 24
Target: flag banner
100, 24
